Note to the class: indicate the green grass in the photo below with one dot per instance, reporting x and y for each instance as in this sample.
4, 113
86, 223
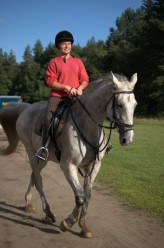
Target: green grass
136, 172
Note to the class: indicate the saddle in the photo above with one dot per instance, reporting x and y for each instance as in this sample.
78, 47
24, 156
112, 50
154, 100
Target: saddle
56, 115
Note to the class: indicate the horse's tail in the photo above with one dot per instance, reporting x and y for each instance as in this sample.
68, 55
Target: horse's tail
8, 119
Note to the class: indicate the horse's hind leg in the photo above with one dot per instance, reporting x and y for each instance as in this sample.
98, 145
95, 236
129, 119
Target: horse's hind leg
28, 196
37, 179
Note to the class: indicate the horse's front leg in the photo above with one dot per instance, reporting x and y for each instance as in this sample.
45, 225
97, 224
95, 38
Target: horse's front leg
67, 223
71, 174
91, 174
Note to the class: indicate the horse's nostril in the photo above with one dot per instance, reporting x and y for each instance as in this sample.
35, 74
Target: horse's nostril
124, 141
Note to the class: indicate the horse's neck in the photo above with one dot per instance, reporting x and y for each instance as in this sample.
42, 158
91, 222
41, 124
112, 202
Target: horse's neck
96, 102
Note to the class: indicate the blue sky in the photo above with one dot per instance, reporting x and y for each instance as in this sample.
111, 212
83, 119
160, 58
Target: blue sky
23, 22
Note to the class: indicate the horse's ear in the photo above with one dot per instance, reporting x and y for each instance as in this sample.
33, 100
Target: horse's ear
117, 84
133, 80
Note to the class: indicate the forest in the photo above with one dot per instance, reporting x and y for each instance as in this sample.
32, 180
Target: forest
135, 45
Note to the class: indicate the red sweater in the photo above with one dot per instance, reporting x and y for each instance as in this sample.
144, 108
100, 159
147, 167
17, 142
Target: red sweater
71, 73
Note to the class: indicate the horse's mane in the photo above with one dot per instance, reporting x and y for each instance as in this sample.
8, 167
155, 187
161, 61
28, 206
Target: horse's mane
106, 78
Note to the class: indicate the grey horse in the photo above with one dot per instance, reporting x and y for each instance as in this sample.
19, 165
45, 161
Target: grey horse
81, 139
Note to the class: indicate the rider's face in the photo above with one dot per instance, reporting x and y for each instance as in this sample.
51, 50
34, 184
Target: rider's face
65, 47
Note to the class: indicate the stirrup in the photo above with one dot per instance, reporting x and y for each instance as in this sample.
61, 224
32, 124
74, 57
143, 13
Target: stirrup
42, 153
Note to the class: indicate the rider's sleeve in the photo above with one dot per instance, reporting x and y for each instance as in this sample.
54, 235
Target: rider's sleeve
51, 73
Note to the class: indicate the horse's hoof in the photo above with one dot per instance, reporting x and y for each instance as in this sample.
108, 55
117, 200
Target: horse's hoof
63, 226
66, 224
86, 235
29, 208
49, 220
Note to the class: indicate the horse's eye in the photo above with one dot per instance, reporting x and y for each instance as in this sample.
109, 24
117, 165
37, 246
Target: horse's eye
119, 105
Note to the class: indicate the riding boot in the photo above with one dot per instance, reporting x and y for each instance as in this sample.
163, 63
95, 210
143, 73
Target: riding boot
43, 152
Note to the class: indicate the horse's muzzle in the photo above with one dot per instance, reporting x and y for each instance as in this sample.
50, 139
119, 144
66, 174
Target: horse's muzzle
126, 138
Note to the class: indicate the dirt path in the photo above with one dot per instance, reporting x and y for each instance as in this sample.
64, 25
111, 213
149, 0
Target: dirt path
112, 225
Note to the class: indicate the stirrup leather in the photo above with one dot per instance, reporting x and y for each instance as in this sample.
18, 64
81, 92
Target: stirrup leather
42, 153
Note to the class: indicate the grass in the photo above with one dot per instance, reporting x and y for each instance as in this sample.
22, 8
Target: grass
136, 172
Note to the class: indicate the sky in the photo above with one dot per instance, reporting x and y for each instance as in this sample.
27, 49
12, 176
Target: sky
23, 22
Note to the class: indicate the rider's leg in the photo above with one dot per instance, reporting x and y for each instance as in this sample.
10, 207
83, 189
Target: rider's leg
43, 153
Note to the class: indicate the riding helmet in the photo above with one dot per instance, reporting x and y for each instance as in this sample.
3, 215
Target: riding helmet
63, 36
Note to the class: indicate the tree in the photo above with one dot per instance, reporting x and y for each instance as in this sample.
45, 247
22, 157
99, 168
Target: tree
123, 41
50, 52
136, 45
92, 56
27, 56
38, 51
8, 72
154, 56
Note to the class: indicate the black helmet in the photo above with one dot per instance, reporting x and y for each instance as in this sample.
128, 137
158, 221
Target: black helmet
63, 36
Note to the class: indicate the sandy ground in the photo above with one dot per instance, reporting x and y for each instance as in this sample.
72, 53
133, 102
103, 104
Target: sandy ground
112, 224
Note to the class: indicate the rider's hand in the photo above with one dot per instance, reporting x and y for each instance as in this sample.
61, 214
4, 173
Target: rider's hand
73, 91
70, 90
79, 91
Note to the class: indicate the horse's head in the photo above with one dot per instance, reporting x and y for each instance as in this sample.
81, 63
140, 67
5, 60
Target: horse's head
121, 108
